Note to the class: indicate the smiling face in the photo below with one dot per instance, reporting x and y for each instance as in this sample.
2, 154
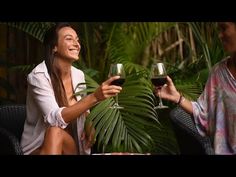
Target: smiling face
227, 34
68, 46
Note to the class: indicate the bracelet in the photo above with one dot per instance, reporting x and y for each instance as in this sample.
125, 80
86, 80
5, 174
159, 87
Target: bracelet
181, 99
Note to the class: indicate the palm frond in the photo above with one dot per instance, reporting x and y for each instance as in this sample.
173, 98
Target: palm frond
36, 29
196, 30
125, 130
190, 90
131, 39
145, 32
23, 68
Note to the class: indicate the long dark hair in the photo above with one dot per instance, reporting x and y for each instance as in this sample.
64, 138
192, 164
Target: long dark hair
50, 41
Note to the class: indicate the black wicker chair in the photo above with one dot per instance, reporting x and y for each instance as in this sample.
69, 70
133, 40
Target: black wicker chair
188, 138
12, 118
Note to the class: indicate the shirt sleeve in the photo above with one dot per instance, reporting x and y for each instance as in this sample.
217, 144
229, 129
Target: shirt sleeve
200, 117
204, 106
44, 97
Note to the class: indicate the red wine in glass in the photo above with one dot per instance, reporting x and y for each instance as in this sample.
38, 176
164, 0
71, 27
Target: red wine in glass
159, 79
118, 82
117, 70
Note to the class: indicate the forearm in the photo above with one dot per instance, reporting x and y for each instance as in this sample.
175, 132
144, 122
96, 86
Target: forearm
186, 105
170, 93
72, 112
103, 92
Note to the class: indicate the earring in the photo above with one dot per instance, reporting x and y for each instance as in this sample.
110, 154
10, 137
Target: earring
54, 52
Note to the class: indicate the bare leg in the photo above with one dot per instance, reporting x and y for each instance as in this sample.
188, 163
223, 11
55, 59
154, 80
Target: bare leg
56, 142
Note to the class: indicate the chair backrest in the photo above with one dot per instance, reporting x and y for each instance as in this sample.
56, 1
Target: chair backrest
12, 118
188, 138
10, 145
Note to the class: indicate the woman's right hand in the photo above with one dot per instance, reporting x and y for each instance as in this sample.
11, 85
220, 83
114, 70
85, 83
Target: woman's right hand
106, 90
168, 91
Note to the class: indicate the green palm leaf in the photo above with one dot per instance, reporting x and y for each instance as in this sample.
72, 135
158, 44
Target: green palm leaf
190, 90
128, 129
196, 30
36, 29
131, 121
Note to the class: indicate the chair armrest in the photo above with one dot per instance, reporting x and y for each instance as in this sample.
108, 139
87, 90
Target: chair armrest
185, 121
10, 145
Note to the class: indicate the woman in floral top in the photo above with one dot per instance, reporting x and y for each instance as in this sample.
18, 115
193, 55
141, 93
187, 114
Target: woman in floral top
215, 110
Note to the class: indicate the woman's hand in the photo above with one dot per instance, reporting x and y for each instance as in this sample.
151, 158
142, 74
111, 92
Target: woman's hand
89, 136
168, 91
106, 90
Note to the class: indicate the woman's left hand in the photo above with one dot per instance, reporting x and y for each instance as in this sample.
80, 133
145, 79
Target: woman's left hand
89, 136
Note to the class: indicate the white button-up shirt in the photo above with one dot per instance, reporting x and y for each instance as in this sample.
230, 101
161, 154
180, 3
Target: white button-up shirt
43, 110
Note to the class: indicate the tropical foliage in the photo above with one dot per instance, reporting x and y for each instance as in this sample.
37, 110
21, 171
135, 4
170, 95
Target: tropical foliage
36, 29
188, 49
127, 130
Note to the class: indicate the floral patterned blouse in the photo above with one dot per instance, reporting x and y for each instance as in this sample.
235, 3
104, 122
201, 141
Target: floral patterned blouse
215, 110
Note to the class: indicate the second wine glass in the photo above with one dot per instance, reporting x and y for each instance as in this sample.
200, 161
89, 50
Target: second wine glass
117, 70
159, 78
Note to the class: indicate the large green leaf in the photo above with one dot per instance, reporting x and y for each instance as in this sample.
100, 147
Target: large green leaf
125, 129
35, 29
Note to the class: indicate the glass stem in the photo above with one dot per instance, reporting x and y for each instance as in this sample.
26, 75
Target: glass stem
117, 100
160, 100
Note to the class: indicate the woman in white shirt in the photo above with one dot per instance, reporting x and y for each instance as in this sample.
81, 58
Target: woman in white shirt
55, 118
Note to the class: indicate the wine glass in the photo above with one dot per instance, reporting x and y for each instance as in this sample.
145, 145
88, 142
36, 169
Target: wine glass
117, 70
159, 78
